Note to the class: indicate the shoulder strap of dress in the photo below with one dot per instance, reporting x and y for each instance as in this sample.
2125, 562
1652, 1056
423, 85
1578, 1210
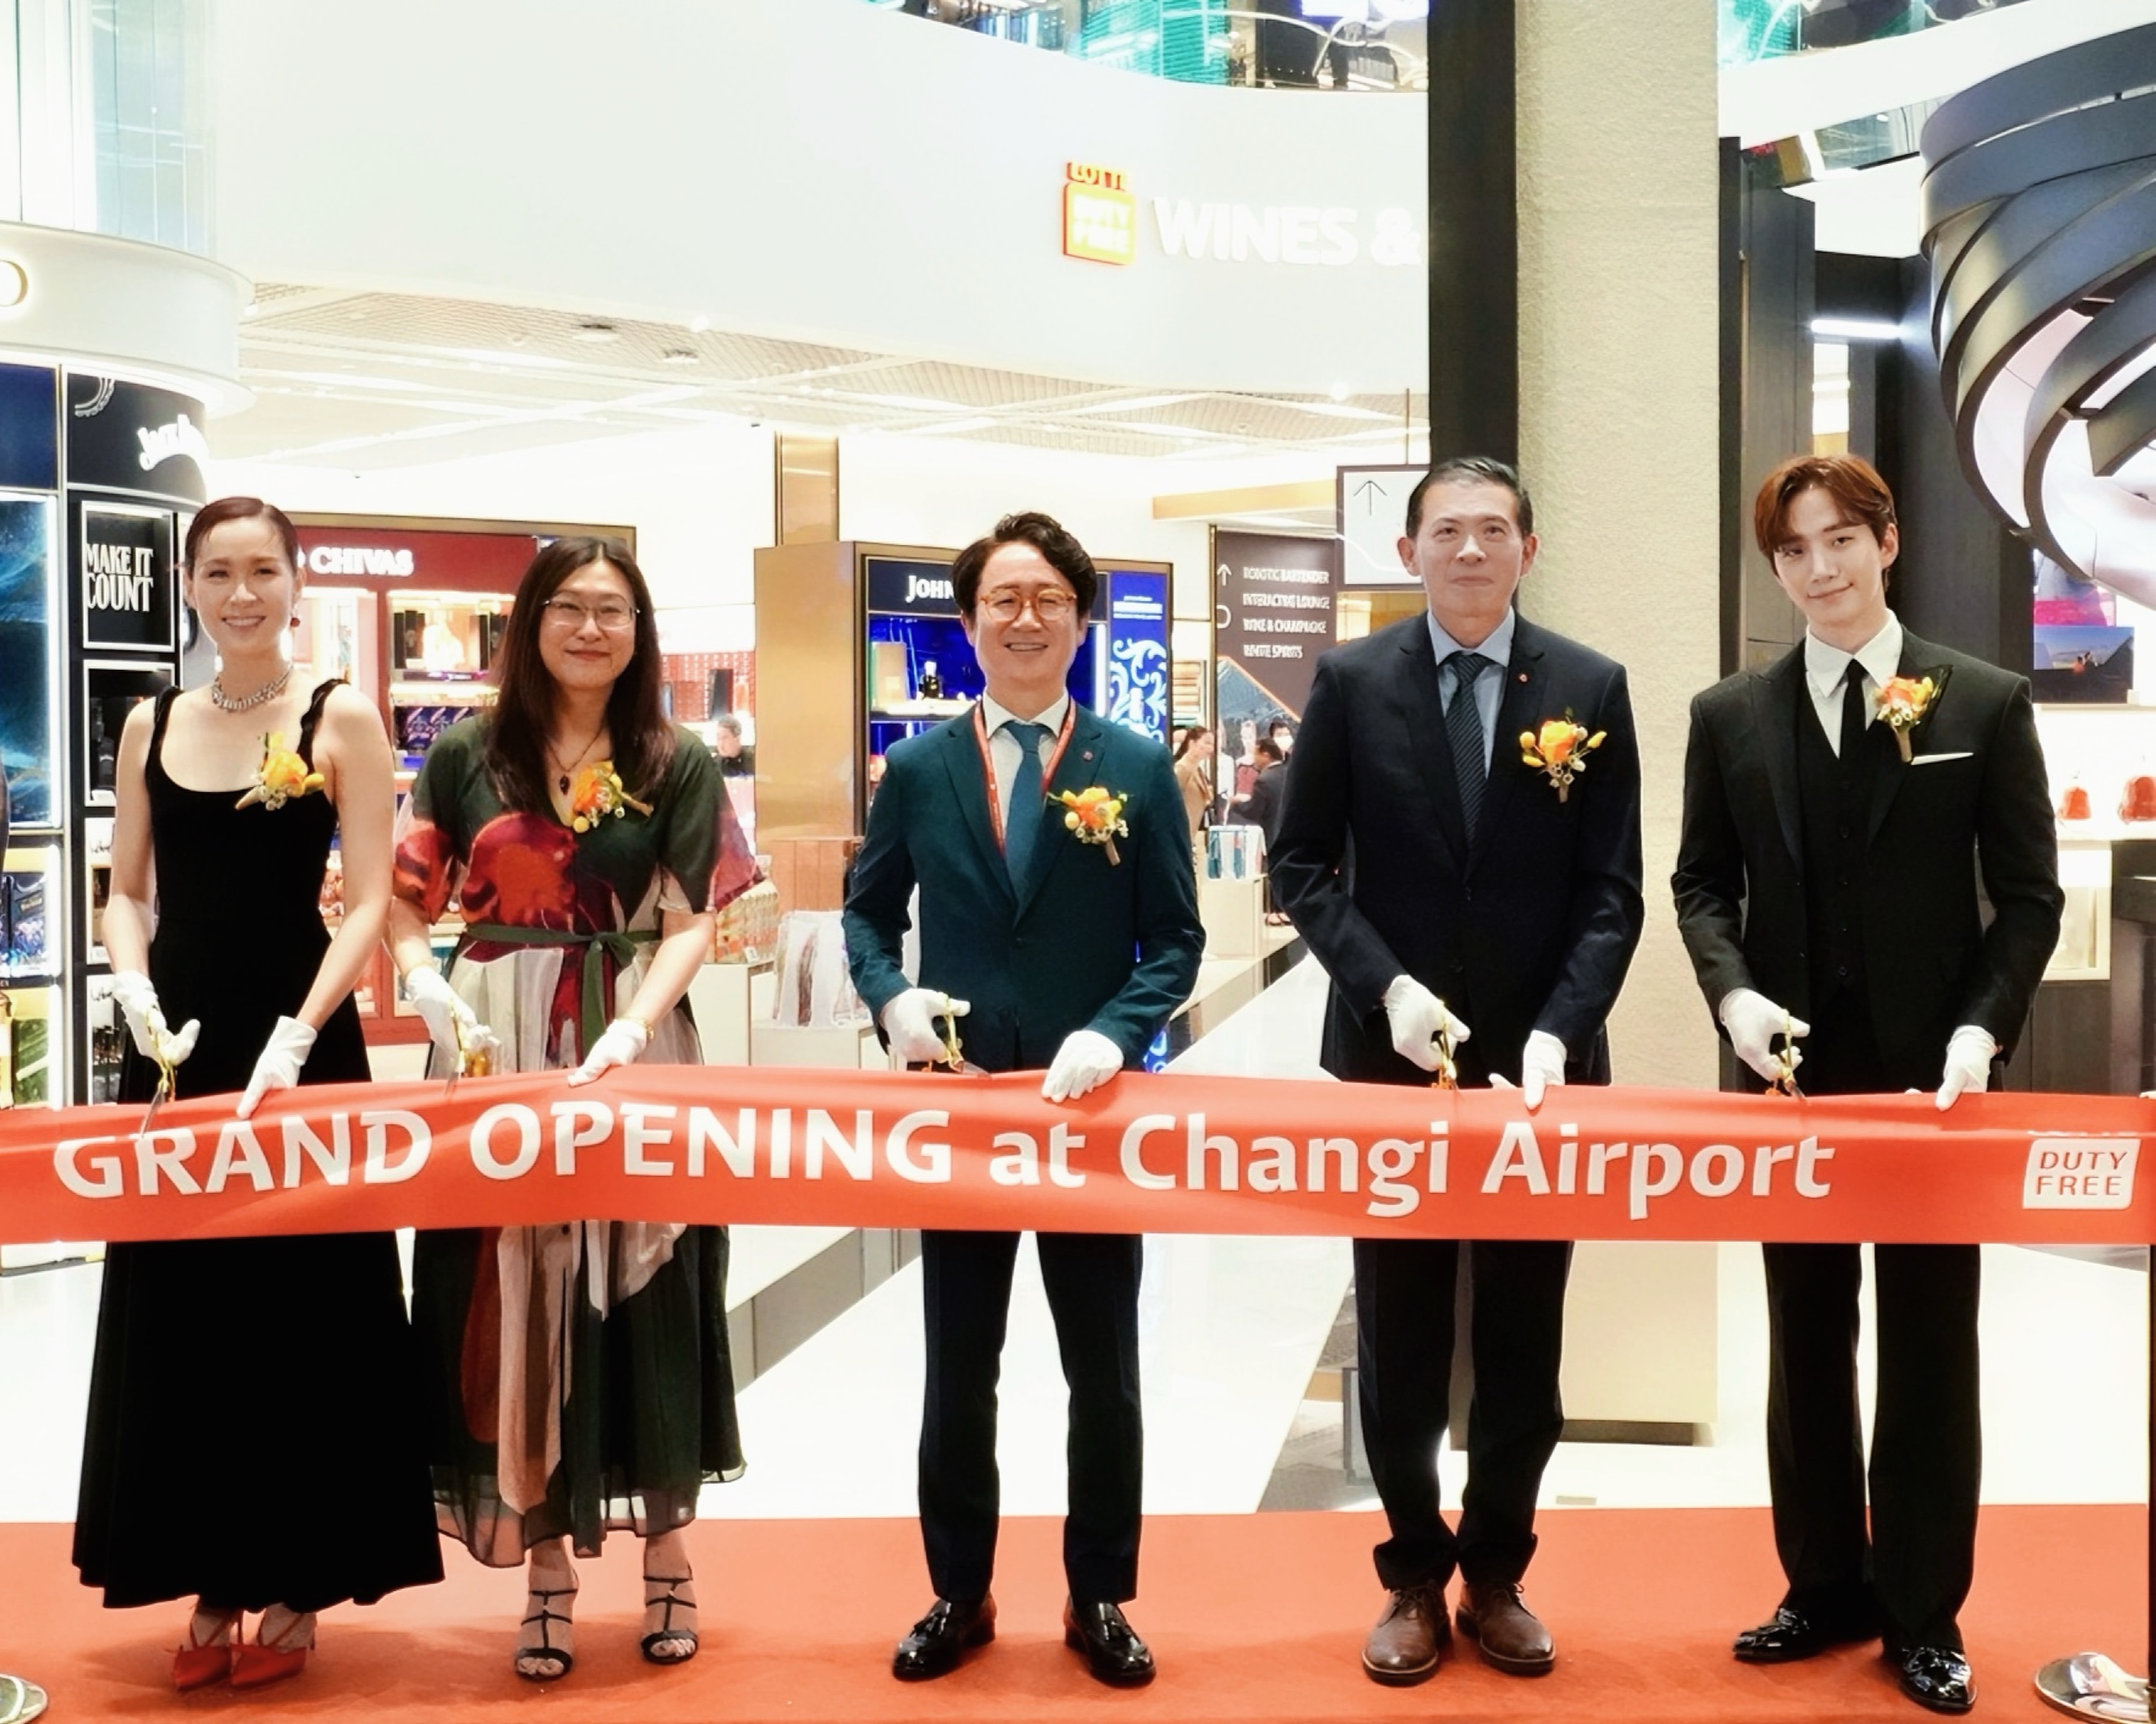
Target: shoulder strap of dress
313, 717
163, 711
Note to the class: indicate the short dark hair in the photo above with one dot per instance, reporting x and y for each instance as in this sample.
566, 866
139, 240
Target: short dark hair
728, 722
212, 515
1853, 482
1473, 470
1047, 536
1266, 749
518, 726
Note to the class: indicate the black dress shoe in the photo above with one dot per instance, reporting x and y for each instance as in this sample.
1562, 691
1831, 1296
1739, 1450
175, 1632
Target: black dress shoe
932, 1648
1794, 1634
1114, 1653
1935, 1677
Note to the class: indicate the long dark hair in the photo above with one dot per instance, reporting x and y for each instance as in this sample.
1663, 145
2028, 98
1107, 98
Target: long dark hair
523, 716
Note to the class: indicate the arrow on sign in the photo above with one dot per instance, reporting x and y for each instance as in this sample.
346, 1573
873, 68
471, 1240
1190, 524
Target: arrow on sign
1370, 485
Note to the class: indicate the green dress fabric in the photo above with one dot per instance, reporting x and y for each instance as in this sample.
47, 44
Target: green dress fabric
583, 1381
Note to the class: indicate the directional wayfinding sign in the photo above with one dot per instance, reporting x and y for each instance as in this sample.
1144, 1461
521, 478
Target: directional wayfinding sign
1370, 508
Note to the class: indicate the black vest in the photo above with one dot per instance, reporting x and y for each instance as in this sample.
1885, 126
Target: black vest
1835, 795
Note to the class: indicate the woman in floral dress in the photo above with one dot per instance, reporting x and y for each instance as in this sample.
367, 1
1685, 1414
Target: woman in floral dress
583, 1379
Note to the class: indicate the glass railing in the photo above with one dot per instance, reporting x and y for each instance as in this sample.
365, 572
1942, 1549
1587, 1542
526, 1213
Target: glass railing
1281, 44
1766, 29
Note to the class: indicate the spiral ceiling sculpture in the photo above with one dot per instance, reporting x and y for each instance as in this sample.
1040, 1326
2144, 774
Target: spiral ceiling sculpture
2040, 225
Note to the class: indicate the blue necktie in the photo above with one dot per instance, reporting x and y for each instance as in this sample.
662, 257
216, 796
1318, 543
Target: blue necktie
1022, 819
1463, 723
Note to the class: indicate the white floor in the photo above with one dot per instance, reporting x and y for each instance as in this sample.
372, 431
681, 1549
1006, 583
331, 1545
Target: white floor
1231, 1330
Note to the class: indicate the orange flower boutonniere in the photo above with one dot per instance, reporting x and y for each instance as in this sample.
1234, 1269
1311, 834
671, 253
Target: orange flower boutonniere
282, 775
597, 794
1097, 816
1904, 703
1558, 750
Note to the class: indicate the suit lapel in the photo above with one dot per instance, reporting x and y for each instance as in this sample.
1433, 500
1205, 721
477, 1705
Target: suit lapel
1421, 707
1519, 702
1081, 765
1775, 693
969, 789
1918, 657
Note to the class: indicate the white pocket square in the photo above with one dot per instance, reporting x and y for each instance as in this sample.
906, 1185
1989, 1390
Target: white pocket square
1933, 759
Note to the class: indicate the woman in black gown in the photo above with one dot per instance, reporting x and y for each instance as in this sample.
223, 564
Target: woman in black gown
252, 1440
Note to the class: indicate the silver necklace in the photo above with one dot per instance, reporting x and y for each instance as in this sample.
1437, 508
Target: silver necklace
270, 690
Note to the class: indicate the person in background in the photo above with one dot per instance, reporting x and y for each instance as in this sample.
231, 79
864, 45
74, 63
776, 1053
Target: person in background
583, 1380
1838, 806
1193, 776
1056, 954
736, 759
1444, 886
1261, 807
1282, 734
253, 1435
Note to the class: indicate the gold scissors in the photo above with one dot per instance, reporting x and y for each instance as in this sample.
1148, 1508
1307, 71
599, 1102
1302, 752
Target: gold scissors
1785, 1062
953, 1053
471, 1062
1446, 1073
167, 1081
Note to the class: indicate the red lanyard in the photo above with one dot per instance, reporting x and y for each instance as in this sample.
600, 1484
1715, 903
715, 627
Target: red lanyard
988, 764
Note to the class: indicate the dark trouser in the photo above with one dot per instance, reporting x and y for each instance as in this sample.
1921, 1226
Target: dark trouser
1092, 1284
1403, 1312
1926, 1441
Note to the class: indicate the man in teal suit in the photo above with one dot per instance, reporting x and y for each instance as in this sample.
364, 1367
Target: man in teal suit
1059, 953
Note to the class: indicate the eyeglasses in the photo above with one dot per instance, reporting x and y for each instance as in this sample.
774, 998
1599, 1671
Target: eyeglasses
1051, 606
611, 614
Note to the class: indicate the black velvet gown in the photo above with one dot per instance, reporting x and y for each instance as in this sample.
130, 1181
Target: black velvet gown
252, 1432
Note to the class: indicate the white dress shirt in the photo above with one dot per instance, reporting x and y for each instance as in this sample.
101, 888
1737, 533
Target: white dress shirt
1497, 646
1003, 748
1825, 665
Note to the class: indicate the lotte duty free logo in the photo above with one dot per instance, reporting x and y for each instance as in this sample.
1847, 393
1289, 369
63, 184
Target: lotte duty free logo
1100, 216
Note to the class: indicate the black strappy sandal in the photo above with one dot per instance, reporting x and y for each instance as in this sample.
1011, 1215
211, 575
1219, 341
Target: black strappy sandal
671, 1601
546, 1653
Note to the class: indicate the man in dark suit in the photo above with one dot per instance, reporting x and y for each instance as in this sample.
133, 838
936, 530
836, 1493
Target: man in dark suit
1059, 953
1446, 885
1835, 813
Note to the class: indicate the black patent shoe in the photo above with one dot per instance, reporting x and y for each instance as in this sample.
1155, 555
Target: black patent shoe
1794, 1634
1114, 1653
933, 1646
1936, 1677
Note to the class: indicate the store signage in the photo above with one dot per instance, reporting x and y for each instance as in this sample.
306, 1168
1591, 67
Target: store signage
129, 437
360, 559
1138, 669
900, 586
1285, 233
125, 576
1273, 599
1100, 216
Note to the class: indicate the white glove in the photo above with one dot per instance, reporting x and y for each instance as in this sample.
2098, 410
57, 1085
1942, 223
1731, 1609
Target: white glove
1969, 1053
1541, 1069
137, 998
1087, 1060
1416, 1015
1754, 1021
446, 1016
622, 1043
279, 1067
911, 1022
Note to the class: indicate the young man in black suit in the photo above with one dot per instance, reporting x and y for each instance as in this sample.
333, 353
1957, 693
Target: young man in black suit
1057, 953
1838, 806
1444, 884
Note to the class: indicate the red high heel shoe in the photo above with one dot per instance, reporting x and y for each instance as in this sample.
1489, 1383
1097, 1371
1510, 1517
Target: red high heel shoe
258, 1666
201, 1664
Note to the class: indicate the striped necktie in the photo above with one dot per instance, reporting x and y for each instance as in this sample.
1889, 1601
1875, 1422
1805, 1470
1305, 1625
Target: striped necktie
1463, 723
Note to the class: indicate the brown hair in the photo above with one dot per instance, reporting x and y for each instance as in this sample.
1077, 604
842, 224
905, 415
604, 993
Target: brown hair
1853, 482
212, 515
517, 730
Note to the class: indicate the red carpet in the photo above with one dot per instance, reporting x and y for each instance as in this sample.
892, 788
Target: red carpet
1257, 1617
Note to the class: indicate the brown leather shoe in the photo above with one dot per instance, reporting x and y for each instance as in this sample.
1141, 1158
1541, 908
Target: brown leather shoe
1410, 1638
1507, 1632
